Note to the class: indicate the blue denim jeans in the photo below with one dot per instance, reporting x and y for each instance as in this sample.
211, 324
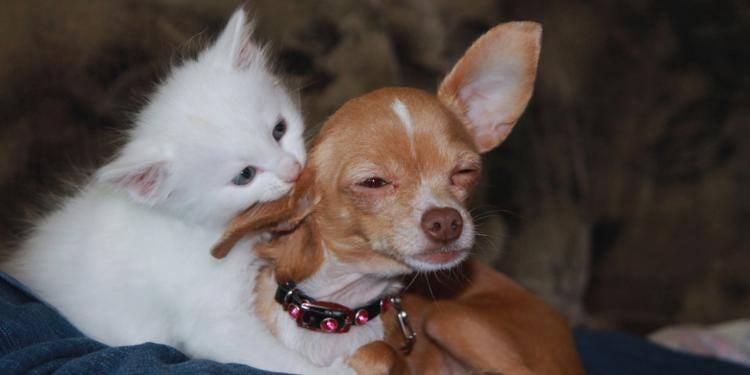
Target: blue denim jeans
617, 353
35, 339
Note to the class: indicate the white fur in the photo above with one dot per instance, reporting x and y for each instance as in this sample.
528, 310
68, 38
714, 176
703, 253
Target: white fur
400, 109
127, 260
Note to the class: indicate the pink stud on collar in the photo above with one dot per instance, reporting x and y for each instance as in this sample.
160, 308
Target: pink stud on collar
329, 324
362, 317
294, 311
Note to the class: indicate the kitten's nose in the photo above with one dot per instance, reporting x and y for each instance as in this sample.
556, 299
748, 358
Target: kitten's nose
290, 172
442, 224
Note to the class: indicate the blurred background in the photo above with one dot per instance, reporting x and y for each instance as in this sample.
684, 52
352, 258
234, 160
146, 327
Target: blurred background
618, 198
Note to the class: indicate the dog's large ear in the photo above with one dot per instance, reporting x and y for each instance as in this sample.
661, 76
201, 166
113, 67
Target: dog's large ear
282, 215
296, 255
492, 83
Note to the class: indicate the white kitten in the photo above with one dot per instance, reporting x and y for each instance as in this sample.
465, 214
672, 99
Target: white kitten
127, 259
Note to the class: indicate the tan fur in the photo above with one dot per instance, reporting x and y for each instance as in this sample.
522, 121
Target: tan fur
344, 144
482, 321
262, 216
265, 284
281, 215
378, 358
295, 256
486, 324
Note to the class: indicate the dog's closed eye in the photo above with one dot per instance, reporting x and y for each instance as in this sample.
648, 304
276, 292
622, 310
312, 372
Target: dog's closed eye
374, 183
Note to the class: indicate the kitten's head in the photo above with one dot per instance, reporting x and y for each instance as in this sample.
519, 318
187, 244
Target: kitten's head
220, 133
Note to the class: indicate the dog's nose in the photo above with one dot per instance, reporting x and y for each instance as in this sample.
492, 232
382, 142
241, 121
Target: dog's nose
442, 224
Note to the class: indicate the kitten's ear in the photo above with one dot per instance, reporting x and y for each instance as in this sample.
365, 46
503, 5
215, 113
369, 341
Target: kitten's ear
234, 47
492, 83
143, 176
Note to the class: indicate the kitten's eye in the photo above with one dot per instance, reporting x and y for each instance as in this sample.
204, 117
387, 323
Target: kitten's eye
373, 183
279, 129
244, 177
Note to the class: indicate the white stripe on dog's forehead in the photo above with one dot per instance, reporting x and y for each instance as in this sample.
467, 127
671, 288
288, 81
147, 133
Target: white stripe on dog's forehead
399, 108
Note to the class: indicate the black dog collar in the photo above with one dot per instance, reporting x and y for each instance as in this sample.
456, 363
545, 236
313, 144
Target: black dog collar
325, 316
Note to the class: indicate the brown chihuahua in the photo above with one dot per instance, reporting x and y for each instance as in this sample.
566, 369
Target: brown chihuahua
386, 188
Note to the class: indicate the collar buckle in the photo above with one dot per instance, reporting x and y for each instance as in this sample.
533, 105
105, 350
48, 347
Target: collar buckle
402, 318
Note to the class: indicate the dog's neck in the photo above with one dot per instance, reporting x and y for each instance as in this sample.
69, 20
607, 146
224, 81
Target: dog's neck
330, 265
343, 283
332, 279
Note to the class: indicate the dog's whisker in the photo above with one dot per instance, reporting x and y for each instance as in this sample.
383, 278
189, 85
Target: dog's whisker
432, 294
459, 274
484, 215
496, 211
413, 279
438, 277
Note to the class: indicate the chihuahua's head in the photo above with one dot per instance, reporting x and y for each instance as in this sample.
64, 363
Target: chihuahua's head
392, 171
395, 168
